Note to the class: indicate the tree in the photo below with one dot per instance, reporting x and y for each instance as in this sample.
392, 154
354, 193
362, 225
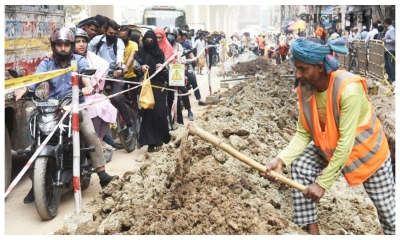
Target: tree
72, 13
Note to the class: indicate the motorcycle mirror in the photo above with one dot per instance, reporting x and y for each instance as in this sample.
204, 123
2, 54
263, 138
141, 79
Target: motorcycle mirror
88, 71
15, 73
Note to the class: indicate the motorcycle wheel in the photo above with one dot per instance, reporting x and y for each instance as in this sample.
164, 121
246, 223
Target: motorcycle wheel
215, 60
47, 194
85, 182
8, 159
130, 145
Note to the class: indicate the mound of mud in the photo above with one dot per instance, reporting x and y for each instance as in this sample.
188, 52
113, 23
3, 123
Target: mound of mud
192, 187
262, 65
385, 109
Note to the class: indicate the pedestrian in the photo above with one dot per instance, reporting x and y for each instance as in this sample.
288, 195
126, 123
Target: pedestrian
390, 49
371, 34
356, 35
173, 37
155, 123
380, 33
261, 44
337, 132
281, 51
320, 33
91, 28
102, 21
112, 49
131, 48
62, 42
364, 33
104, 113
199, 45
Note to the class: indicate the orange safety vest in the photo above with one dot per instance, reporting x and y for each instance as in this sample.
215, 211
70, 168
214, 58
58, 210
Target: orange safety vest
370, 148
283, 49
261, 43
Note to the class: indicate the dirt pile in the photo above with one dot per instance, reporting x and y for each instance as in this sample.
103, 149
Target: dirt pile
192, 187
252, 67
385, 109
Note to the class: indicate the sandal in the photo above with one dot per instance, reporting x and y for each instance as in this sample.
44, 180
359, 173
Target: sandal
153, 148
150, 148
156, 149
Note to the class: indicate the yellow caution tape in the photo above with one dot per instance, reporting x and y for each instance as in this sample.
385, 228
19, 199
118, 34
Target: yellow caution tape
35, 78
393, 57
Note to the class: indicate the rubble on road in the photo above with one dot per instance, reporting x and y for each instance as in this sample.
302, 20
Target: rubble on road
216, 193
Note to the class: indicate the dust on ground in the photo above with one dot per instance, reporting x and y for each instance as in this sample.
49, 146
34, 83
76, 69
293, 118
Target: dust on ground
192, 187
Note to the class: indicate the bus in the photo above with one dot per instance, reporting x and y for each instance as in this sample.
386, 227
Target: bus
165, 16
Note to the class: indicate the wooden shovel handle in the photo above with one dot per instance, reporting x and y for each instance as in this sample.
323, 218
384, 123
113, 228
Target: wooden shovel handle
193, 130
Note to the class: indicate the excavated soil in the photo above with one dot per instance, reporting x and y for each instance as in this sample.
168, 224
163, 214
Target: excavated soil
193, 187
254, 66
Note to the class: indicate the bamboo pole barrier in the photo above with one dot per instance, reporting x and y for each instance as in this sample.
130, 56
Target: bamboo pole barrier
193, 130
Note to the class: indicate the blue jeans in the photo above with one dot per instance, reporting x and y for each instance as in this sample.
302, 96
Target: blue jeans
108, 139
390, 65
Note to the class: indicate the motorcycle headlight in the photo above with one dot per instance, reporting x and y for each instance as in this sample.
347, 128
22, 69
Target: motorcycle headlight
47, 127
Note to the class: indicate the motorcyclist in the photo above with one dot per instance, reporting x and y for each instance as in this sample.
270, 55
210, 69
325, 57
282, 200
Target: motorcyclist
63, 44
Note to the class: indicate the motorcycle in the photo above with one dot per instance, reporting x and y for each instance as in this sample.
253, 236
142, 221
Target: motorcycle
53, 167
254, 48
233, 50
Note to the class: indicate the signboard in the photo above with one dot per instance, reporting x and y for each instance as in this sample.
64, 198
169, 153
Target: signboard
177, 75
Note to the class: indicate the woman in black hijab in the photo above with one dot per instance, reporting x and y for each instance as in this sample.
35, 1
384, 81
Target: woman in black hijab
154, 123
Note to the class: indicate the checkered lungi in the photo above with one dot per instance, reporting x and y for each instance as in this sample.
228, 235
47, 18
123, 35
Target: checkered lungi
380, 187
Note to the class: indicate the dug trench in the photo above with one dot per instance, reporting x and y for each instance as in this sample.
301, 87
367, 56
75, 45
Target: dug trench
192, 187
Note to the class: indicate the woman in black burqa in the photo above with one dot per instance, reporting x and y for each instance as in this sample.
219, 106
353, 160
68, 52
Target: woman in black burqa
155, 123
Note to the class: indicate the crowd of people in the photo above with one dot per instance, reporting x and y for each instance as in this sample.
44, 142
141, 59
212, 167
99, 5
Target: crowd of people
123, 53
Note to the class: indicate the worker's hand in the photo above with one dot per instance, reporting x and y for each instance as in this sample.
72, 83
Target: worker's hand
314, 192
20, 92
117, 73
145, 68
87, 91
383, 39
274, 165
125, 70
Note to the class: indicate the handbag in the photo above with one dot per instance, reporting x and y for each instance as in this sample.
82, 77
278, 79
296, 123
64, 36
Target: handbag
202, 60
146, 98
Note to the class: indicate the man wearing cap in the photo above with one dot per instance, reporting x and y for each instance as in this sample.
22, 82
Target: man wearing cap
338, 133
364, 33
357, 35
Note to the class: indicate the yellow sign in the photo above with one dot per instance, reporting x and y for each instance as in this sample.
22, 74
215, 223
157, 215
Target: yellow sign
12, 84
177, 75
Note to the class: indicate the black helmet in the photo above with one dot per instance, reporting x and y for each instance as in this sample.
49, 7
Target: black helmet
79, 32
62, 35
172, 35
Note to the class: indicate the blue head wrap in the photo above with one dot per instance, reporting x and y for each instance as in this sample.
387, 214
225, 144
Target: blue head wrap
313, 53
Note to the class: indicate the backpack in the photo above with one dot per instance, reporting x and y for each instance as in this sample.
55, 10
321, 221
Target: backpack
98, 46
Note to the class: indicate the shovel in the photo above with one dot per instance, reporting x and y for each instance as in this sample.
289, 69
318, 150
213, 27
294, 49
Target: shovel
193, 130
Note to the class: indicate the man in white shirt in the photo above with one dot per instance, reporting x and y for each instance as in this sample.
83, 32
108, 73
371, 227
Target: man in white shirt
372, 33
282, 38
200, 44
357, 35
